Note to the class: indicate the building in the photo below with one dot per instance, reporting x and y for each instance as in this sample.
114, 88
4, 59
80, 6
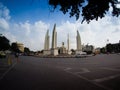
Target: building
20, 46
97, 50
62, 50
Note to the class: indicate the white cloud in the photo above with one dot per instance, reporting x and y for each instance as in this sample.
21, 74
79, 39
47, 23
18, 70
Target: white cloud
3, 25
4, 12
31, 35
4, 17
95, 33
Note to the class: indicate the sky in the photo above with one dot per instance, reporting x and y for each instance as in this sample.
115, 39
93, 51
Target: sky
27, 21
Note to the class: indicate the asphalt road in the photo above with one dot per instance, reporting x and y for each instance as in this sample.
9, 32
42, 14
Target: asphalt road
100, 72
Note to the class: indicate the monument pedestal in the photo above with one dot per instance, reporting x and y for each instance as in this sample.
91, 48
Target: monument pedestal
69, 52
46, 52
54, 51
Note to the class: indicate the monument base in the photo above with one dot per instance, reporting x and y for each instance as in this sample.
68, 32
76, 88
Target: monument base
69, 52
46, 52
54, 52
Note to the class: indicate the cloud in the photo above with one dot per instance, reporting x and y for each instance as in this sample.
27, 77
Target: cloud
4, 12
32, 34
116, 30
4, 17
3, 25
96, 33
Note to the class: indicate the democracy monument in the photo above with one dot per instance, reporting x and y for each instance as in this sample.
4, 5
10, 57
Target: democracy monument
54, 49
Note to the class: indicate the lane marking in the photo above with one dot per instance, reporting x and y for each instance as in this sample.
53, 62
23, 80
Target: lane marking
106, 78
66, 69
90, 81
84, 70
7, 71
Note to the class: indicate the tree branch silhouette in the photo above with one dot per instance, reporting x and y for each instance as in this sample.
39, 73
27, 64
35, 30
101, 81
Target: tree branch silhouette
93, 9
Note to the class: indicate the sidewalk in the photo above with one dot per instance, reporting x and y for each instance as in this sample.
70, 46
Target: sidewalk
6, 64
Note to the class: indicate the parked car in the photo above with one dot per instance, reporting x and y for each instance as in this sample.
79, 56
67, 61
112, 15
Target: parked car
81, 54
2, 54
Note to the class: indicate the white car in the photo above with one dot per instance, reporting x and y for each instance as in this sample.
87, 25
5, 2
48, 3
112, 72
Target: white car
2, 54
81, 55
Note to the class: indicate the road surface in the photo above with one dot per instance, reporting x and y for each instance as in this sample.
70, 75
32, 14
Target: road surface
100, 72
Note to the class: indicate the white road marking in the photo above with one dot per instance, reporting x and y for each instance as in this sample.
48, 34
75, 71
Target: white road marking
79, 76
106, 78
84, 70
66, 69
7, 71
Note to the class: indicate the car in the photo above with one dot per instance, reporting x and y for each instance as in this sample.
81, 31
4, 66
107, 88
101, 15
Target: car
82, 54
2, 54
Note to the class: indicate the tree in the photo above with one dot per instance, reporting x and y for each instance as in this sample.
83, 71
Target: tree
73, 51
88, 9
15, 48
4, 43
26, 50
102, 50
109, 48
113, 48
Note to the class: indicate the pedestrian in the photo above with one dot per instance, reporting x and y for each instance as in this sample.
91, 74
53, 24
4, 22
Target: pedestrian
17, 56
